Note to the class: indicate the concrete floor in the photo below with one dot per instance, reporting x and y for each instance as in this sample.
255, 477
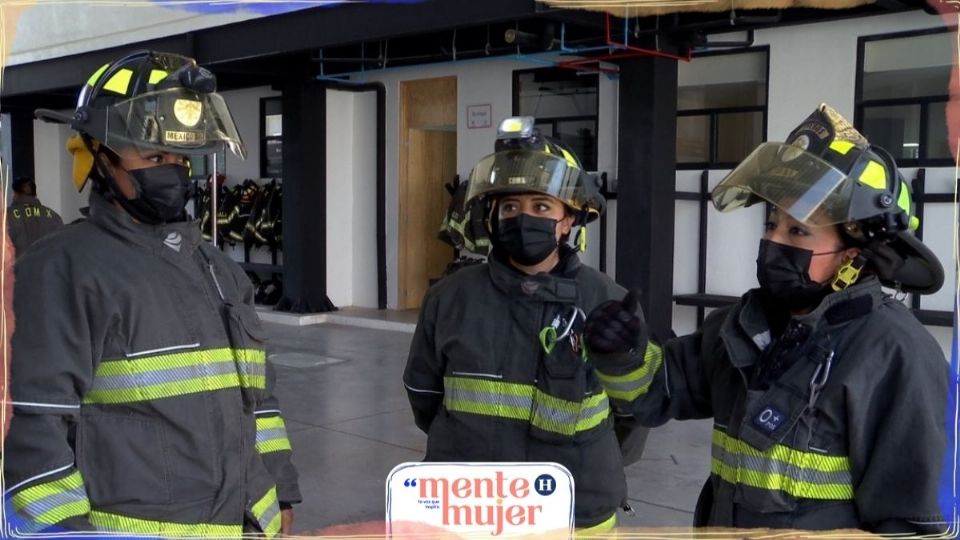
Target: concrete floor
349, 422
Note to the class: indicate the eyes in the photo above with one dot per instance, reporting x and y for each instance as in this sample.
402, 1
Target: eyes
792, 230
512, 208
161, 159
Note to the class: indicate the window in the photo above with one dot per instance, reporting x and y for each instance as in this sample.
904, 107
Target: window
902, 93
271, 138
564, 103
721, 108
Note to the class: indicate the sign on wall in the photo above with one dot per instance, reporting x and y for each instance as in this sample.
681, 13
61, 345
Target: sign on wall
479, 116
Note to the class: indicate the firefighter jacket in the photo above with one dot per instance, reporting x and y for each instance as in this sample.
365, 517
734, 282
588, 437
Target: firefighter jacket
142, 396
484, 388
29, 221
837, 422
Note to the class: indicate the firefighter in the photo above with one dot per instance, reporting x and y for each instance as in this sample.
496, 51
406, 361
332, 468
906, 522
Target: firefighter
142, 396
510, 330
27, 219
828, 396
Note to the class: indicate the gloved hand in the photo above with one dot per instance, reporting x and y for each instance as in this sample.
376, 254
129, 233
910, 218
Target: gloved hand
616, 326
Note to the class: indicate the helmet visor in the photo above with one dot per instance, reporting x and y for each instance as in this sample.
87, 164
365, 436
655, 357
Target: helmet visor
174, 120
519, 171
801, 184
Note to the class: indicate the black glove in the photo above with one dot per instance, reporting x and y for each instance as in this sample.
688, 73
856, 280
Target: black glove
615, 326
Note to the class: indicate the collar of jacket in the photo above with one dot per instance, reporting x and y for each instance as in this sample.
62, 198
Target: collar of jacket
25, 200
746, 333
182, 238
557, 286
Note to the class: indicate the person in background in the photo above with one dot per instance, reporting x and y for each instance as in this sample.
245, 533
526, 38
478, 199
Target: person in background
27, 219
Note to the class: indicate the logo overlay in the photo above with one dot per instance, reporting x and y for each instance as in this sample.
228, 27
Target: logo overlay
496, 499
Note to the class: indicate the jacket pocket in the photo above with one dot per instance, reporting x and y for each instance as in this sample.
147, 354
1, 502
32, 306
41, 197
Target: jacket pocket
123, 460
247, 339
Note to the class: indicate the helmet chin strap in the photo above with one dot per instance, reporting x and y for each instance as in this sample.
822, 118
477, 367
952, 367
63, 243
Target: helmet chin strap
112, 193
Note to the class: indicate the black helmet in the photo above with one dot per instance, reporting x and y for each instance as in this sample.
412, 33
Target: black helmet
827, 173
525, 161
150, 100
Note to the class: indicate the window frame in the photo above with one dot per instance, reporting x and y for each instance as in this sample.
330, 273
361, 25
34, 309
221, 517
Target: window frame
712, 162
923, 102
515, 92
265, 138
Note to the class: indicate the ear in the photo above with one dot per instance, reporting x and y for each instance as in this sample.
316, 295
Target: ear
566, 224
851, 253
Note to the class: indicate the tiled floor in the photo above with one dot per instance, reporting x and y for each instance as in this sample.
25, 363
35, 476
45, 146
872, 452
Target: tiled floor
350, 424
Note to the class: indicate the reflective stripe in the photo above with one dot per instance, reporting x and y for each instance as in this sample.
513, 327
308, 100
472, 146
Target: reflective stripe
119, 82
636, 383
161, 376
603, 526
52, 502
117, 523
267, 512
271, 435
526, 403
804, 475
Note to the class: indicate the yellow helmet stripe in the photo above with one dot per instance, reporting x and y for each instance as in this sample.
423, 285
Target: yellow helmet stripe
119, 82
93, 78
157, 75
874, 176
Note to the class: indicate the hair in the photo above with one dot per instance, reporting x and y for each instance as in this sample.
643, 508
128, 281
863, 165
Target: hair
24, 185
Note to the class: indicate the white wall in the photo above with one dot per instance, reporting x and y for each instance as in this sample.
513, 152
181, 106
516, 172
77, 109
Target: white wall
478, 82
351, 199
809, 64
53, 171
49, 30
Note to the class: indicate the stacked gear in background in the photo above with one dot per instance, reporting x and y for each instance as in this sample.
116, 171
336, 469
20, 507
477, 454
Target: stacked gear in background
247, 213
250, 215
827, 173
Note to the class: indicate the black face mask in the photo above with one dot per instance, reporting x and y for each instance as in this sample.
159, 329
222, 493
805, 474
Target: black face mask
528, 239
783, 274
162, 194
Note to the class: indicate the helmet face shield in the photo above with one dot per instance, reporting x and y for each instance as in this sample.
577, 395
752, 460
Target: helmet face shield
801, 184
176, 120
527, 171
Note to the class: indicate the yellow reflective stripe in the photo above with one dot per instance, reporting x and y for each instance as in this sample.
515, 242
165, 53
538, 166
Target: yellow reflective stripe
157, 75
874, 175
778, 482
572, 161
630, 386
96, 75
183, 359
526, 403
118, 523
903, 201
785, 454
841, 146
119, 82
272, 435
267, 512
174, 374
781, 468
52, 502
604, 526
164, 390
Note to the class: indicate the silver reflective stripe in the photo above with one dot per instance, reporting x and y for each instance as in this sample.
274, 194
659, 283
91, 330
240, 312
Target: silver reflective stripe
462, 394
162, 376
264, 435
39, 507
